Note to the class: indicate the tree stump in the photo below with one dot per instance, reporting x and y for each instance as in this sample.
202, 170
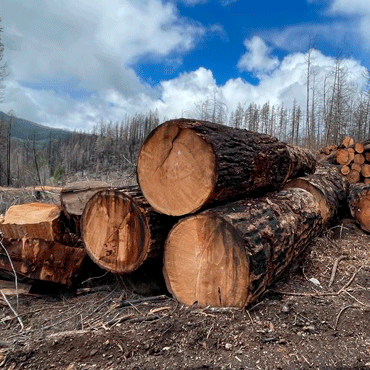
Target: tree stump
186, 165
227, 256
121, 230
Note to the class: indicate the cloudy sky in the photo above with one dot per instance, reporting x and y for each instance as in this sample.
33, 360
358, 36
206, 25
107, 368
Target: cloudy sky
72, 63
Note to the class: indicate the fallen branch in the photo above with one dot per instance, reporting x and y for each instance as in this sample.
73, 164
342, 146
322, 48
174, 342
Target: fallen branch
341, 311
13, 310
334, 270
141, 300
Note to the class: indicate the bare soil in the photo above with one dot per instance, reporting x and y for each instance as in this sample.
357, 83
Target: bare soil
300, 323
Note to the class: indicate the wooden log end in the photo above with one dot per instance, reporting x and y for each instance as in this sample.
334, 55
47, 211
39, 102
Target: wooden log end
205, 263
176, 170
115, 232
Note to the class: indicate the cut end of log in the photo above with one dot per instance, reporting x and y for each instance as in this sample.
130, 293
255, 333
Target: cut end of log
176, 170
30, 213
115, 232
205, 263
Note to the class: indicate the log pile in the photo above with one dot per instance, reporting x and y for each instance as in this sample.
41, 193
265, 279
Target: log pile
353, 159
226, 210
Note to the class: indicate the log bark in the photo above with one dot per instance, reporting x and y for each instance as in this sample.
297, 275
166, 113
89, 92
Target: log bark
42, 260
121, 230
359, 204
74, 197
328, 187
33, 221
228, 256
186, 165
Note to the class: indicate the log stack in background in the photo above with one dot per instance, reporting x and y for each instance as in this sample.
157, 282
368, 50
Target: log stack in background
353, 159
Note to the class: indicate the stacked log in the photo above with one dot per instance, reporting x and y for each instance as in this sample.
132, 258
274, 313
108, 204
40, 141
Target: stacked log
353, 159
121, 230
33, 239
359, 204
186, 165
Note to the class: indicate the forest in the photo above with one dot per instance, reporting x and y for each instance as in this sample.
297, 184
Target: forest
334, 107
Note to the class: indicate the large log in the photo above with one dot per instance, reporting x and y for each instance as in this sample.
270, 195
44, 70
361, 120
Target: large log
229, 255
33, 220
42, 260
74, 197
359, 204
185, 165
327, 186
121, 230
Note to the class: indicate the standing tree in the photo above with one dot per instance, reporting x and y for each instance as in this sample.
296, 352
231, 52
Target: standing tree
2, 66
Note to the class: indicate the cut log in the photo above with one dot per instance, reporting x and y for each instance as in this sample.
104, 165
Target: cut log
366, 180
359, 204
359, 148
327, 186
74, 197
344, 156
365, 170
353, 177
33, 221
42, 260
185, 165
367, 156
354, 166
227, 256
345, 169
359, 159
121, 230
347, 141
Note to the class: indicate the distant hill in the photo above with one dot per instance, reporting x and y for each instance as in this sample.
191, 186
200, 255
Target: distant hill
24, 130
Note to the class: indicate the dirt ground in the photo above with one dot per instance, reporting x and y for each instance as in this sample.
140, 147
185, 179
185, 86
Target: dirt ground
300, 323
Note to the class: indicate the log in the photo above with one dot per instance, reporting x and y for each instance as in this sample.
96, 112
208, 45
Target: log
227, 256
347, 141
365, 170
359, 159
185, 165
42, 260
345, 169
359, 148
359, 204
353, 177
344, 156
33, 221
121, 230
74, 197
367, 156
328, 187
366, 180
354, 166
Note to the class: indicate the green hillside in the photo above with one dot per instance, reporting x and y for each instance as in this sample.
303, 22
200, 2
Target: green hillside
24, 130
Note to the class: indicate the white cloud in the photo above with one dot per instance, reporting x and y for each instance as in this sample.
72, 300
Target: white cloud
350, 6
258, 57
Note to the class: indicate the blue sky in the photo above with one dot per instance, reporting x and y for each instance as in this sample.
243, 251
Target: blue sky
72, 63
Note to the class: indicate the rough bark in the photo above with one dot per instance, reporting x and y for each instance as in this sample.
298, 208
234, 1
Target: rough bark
42, 260
229, 255
327, 186
121, 230
186, 165
359, 204
33, 221
74, 197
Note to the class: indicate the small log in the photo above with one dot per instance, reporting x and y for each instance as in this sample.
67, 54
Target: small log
33, 221
365, 170
359, 148
366, 180
42, 260
347, 141
227, 256
359, 204
185, 165
121, 230
353, 177
367, 156
345, 169
359, 159
74, 197
327, 186
344, 156
354, 166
